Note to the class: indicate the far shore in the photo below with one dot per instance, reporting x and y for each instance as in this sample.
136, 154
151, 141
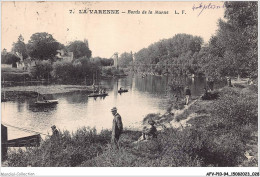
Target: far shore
49, 89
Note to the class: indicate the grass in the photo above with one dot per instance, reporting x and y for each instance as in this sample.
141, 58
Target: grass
221, 132
14, 74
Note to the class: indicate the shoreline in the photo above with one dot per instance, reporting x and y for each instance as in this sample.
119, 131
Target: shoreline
177, 127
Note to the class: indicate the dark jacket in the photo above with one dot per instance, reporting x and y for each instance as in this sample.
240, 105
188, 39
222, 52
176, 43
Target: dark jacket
152, 132
117, 127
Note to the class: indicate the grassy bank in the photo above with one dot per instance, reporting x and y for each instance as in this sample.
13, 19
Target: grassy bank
222, 132
14, 74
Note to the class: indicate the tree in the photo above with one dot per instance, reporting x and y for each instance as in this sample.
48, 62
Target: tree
79, 49
233, 51
42, 46
238, 35
10, 58
125, 59
20, 47
42, 70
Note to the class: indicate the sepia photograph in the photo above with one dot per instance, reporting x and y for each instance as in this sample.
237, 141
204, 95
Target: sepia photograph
129, 84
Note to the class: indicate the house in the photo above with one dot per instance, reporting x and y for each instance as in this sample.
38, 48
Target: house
64, 56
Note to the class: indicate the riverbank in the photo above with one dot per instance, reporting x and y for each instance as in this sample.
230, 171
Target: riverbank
24, 92
219, 132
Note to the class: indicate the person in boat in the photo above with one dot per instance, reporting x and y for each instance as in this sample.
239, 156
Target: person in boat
187, 95
44, 99
120, 89
117, 127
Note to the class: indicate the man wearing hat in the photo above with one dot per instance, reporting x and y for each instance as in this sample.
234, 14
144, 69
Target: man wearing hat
117, 127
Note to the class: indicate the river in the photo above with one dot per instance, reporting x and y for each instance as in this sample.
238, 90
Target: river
75, 110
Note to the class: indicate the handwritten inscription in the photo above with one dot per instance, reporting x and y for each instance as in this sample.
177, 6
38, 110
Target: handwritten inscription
201, 7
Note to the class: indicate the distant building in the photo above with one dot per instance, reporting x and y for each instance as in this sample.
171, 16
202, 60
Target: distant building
115, 60
64, 56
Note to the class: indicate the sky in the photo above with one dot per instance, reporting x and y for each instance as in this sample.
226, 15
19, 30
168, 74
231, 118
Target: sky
109, 33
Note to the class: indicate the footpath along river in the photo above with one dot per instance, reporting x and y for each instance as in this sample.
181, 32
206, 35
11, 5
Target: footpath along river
75, 109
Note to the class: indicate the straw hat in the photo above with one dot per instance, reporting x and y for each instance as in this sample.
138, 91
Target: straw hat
113, 109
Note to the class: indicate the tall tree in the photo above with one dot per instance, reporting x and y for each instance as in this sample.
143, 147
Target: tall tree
79, 49
238, 35
20, 47
42, 46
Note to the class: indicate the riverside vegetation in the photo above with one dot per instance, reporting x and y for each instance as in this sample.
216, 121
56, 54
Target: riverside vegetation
220, 134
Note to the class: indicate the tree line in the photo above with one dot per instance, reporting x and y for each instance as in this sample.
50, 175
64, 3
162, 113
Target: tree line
43, 49
232, 51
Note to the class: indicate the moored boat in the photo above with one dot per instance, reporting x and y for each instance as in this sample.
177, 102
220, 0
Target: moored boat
46, 102
98, 94
122, 90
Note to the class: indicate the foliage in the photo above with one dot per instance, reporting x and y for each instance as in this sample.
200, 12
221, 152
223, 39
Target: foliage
42, 46
67, 150
42, 69
180, 50
20, 47
10, 58
63, 70
112, 71
125, 59
79, 49
102, 61
233, 51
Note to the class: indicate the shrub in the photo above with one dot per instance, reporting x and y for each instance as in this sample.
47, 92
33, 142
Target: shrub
67, 150
42, 70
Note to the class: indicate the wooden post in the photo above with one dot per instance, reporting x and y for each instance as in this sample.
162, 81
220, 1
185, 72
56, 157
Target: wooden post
3, 142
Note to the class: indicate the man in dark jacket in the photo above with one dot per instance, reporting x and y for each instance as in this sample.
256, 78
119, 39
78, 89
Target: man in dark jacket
117, 127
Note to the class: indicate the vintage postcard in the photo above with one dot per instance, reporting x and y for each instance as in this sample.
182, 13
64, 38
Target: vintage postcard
129, 84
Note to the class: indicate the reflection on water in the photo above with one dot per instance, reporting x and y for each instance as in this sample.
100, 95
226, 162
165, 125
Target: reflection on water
144, 96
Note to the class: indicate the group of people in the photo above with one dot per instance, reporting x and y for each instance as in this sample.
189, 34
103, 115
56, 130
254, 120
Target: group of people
117, 129
101, 91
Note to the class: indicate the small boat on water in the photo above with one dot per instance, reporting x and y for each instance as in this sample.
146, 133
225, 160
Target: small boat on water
46, 102
122, 90
98, 94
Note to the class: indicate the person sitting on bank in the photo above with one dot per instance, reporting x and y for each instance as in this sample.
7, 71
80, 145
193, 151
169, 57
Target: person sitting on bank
151, 132
187, 95
55, 132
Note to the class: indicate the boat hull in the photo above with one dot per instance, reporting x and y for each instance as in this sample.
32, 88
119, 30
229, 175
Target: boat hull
121, 91
98, 95
47, 102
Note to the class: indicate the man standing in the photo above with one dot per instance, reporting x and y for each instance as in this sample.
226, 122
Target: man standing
187, 94
117, 127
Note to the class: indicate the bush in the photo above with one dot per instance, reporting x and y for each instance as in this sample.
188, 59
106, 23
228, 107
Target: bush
63, 70
42, 70
67, 150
